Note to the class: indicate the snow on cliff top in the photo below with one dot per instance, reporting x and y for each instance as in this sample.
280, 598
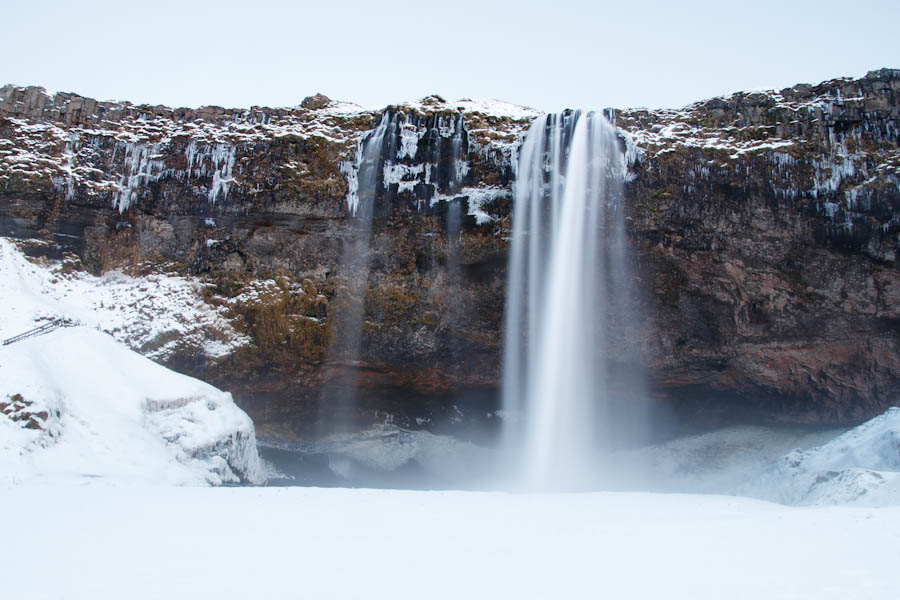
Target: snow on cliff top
78, 404
490, 107
58, 145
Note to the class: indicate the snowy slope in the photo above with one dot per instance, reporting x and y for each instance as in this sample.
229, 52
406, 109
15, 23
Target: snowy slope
786, 465
862, 466
108, 412
76, 403
717, 462
153, 314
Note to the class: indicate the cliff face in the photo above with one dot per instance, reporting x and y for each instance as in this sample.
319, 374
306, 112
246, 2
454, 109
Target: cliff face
769, 223
765, 226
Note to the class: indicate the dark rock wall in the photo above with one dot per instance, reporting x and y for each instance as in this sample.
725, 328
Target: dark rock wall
768, 226
765, 228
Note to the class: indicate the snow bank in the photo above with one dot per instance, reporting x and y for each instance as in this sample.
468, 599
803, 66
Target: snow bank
793, 466
76, 403
862, 466
714, 462
105, 411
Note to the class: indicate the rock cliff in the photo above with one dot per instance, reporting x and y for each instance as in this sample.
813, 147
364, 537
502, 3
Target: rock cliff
765, 228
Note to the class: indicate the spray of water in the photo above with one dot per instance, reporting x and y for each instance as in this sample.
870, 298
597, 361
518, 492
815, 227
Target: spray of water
567, 289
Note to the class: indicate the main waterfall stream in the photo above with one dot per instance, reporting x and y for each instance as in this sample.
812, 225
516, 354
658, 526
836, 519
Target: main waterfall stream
567, 286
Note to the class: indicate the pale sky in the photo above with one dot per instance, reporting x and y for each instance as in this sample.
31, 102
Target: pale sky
549, 55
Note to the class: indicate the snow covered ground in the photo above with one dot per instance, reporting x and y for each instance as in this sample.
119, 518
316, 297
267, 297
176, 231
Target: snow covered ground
95, 541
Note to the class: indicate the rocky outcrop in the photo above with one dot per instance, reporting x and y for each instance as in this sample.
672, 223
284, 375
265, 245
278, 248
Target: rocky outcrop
765, 228
768, 223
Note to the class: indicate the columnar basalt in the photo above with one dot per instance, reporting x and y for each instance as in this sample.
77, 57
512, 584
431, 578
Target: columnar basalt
766, 225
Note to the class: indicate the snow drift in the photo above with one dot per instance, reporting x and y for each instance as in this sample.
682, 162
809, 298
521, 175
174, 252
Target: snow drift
76, 403
97, 409
862, 466
780, 464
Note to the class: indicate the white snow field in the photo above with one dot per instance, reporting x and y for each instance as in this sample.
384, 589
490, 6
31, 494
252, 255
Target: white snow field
96, 541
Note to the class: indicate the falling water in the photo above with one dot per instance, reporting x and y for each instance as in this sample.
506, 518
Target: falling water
338, 404
391, 167
566, 289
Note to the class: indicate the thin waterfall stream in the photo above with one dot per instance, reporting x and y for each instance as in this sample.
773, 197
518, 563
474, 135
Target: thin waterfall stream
338, 407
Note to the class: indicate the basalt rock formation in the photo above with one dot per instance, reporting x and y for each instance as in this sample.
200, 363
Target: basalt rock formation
765, 228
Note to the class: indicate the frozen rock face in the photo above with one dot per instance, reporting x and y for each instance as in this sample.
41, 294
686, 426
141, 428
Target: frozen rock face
767, 224
765, 228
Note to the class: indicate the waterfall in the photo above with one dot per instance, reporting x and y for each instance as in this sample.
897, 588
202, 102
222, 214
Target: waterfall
338, 405
397, 162
567, 288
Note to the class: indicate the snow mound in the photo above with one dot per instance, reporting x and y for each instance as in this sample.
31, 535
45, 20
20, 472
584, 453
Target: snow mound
103, 411
715, 462
862, 466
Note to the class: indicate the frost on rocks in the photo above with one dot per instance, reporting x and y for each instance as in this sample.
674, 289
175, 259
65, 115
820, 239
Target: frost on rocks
156, 314
862, 466
118, 151
833, 151
28, 424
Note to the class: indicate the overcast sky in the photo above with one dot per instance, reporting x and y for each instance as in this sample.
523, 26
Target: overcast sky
549, 55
